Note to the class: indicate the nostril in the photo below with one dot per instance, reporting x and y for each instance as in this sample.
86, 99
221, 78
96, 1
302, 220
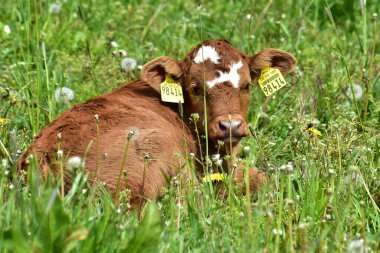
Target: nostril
223, 126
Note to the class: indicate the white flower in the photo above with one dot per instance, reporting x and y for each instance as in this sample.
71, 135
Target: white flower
248, 16
275, 231
356, 246
60, 153
7, 29
128, 64
64, 94
55, 7
114, 44
246, 149
358, 90
74, 162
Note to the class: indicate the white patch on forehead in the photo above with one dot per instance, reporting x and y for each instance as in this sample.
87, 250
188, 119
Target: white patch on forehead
233, 76
207, 52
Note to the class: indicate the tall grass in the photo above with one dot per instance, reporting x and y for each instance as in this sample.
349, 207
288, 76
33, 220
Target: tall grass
322, 192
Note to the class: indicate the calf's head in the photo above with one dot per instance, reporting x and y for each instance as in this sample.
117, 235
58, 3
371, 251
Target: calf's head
223, 75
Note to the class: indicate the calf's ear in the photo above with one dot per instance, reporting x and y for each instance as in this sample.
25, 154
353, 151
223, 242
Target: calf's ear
155, 71
271, 57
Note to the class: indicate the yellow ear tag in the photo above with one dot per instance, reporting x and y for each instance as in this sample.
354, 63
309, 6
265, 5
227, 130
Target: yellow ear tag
271, 80
171, 91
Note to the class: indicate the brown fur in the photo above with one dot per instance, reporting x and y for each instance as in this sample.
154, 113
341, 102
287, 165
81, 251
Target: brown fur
160, 131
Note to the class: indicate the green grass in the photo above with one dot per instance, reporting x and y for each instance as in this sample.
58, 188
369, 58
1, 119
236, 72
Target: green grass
321, 190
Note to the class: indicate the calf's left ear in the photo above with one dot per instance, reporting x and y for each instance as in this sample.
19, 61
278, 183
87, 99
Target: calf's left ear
155, 71
271, 57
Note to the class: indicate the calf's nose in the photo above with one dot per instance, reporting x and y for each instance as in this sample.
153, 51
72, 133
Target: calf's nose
225, 126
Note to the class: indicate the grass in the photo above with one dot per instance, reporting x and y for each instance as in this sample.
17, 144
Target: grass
322, 190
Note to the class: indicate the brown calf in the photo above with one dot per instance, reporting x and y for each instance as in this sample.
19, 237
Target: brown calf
214, 67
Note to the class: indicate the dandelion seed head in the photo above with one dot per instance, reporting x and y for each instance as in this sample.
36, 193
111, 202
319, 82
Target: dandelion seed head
64, 94
358, 92
74, 162
357, 246
55, 7
133, 133
128, 64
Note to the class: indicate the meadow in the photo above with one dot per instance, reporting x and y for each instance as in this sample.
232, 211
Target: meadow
317, 139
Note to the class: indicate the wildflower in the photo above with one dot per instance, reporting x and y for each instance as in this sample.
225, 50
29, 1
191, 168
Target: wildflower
11, 186
195, 116
275, 231
289, 167
358, 92
7, 29
64, 94
331, 171
374, 15
4, 163
248, 16
213, 177
128, 64
114, 44
192, 155
55, 7
357, 246
133, 133
314, 131
74, 162
60, 153
96, 118
3, 121
215, 157
84, 191
246, 149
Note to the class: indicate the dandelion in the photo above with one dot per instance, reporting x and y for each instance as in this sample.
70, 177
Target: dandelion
289, 167
357, 246
55, 7
114, 44
64, 94
314, 131
128, 64
213, 177
3, 121
358, 91
74, 162
7, 29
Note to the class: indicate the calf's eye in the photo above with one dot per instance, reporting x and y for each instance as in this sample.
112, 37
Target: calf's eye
194, 90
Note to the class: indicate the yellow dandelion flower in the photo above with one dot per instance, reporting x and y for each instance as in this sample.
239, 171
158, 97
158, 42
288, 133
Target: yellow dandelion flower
314, 131
214, 177
3, 121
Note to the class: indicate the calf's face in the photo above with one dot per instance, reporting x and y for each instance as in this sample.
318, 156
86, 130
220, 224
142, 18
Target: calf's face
221, 74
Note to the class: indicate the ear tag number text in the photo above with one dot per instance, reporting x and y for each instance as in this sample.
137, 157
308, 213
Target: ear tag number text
171, 91
271, 80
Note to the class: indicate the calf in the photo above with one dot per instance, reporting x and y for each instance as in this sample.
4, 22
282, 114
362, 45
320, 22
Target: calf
159, 136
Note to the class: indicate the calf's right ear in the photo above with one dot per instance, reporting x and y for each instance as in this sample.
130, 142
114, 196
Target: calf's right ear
155, 71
